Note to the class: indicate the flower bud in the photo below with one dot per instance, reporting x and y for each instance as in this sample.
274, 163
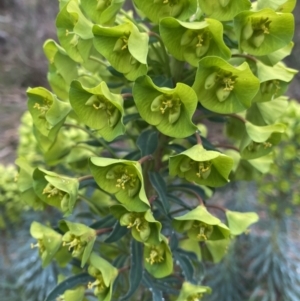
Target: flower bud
201, 50
174, 115
210, 80
114, 118
257, 40
222, 94
224, 3
187, 37
185, 164
119, 45
247, 30
176, 9
156, 103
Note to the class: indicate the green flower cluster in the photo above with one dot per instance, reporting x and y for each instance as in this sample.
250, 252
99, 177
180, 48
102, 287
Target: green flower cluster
129, 90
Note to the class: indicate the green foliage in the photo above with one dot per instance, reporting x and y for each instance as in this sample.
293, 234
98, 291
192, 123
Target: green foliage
115, 148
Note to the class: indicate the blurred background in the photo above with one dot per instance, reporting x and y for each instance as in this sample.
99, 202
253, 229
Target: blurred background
261, 266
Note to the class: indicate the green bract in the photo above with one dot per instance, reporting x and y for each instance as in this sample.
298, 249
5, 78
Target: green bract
158, 259
80, 240
62, 69
157, 9
74, 31
170, 110
102, 11
98, 108
203, 167
223, 88
281, 6
200, 225
263, 32
258, 141
192, 41
273, 81
48, 241
223, 10
124, 47
76, 294
47, 111
238, 222
192, 292
124, 179
55, 190
105, 275
25, 185
144, 227
263, 113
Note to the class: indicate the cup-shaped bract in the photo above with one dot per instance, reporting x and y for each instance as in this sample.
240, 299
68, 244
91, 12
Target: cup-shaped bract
48, 241
200, 225
274, 81
124, 47
144, 227
122, 178
25, 185
191, 41
74, 31
105, 275
158, 9
281, 6
258, 141
47, 111
62, 69
238, 222
201, 166
75, 294
223, 10
192, 292
223, 88
158, 258
170, 110
263, 32
56, 190
98, 108
102, 11
80, 240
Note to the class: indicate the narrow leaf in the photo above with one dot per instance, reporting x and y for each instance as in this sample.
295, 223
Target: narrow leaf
159, 185
136, 272
117, 233
148, 283
186, 266
69, 283
147, 142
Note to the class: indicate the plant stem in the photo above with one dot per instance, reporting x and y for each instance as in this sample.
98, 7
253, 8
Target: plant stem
246, 56
152, 199
90, 204
198, 137
126, 95
195, 194
217, 207
102, 142
145, 158
123, 269
87, 177
93, 58
103, 230
227, 146
236, 117
166, 56
176, 70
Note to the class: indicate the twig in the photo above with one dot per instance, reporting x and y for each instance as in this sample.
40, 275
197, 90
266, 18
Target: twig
87, 177
246, 56
103, 230
217, 207
145, 158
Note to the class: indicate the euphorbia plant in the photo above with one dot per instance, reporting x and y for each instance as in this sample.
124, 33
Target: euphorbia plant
138, 87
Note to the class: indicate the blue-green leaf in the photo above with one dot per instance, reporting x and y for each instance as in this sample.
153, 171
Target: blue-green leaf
117, 233
136, 272
159, 185
69, 283
147, 142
